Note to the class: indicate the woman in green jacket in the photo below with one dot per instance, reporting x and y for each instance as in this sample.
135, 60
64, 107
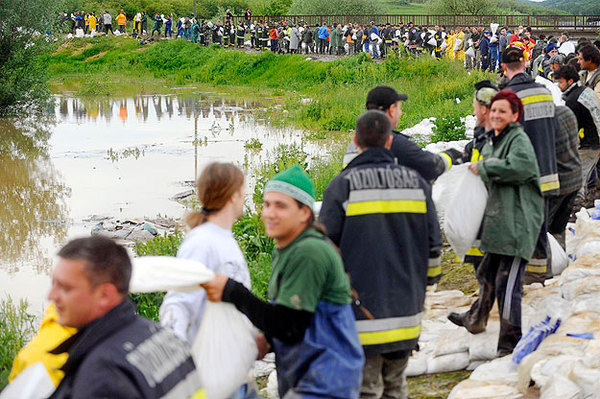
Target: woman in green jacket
511, 224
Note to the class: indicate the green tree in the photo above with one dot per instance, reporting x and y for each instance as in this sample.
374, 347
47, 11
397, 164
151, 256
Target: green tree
336, 7
464, 7
23, 79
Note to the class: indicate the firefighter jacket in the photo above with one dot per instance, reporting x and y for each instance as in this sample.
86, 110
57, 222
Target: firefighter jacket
540, 125
407, 153
382, 217
473, 148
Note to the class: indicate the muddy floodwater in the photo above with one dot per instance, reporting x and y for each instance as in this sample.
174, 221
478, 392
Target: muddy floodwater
112, 157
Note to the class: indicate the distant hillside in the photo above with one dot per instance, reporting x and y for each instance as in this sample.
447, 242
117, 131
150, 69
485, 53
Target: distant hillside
578, 7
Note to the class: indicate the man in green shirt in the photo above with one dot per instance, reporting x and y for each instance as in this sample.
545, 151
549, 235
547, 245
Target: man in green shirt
309, 321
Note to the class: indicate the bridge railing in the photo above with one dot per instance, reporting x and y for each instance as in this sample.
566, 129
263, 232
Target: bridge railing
540, 22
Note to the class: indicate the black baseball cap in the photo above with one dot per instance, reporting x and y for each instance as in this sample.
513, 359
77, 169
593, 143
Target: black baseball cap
512, 54
382, 97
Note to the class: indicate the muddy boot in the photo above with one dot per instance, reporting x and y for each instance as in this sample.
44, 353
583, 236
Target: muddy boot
460, 320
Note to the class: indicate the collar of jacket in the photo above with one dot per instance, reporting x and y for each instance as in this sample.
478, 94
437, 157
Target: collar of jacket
570, 89
372, 155
510, 127
519, 78
89, 336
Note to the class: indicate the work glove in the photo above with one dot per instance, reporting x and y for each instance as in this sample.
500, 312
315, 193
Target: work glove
455, 155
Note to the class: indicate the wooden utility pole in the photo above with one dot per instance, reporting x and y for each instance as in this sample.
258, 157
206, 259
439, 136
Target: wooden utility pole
194, 8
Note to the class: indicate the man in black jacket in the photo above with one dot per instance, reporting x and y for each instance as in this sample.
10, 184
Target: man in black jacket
540, 124
382, 218
583, 102
115, 353
429, 165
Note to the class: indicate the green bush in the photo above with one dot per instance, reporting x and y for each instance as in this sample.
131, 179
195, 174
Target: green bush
448, 129
16, 329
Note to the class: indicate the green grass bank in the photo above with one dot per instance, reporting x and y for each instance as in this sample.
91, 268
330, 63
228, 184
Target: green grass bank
316, 95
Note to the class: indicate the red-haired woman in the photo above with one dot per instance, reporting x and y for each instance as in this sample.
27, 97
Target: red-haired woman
512, 221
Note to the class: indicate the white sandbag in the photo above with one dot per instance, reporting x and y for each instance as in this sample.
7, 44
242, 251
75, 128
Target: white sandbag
567, 48
463, 217
444, 188
224, 350
470, 52
586, 378
79, 33
166, 273
272, 385
417, 365
576, 288
561, 387
32, 383
494, 28
484, 346
444, 46
457, 45
560, 261
432, 42
453, 341
502, 369
554, 89
545, 370
446, 363
473, 389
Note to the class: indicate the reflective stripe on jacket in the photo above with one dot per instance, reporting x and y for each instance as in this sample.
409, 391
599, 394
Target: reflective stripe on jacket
381, 216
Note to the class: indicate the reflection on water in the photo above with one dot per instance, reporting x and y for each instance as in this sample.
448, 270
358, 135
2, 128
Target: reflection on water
32, 195
112, 157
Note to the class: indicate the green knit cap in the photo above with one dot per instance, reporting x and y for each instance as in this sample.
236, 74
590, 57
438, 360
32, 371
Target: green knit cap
295, 183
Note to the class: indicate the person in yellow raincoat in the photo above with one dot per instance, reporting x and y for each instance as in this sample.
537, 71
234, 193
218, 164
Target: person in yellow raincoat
49, 336
450, 40
93, 23
460, 53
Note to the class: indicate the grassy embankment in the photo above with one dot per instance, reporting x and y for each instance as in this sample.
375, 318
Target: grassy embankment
337, 90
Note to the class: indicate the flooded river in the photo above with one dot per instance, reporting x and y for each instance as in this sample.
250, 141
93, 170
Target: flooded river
109, 157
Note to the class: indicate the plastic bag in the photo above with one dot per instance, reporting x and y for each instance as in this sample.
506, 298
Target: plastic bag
464, 215
534, 337
457, 45
32, 383
470, 52
560, 260
432, 42
166, 273
224, 350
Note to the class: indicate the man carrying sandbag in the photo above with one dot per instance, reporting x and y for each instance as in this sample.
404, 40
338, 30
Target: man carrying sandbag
429, 165
382, 217
115, 353
309, 320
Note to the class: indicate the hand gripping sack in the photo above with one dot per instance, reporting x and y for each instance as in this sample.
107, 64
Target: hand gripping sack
224, 350
464, 215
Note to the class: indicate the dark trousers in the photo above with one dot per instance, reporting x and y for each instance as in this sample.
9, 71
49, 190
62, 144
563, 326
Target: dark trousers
108, 27
537, 271
274, 45
500, 277
322, 45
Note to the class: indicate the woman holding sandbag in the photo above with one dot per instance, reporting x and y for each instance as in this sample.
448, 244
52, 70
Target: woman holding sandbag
511, 223
210, 241
309, 321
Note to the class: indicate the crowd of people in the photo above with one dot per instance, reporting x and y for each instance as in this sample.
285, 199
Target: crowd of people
347, 287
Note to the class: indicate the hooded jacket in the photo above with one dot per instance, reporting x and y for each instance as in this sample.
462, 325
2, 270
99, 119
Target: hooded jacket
382, 217
540, 125
583, 102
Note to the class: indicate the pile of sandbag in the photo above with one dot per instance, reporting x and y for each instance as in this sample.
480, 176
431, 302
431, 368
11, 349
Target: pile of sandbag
566, 364
583, 236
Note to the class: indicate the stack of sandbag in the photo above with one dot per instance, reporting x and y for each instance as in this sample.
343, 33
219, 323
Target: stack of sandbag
583, 237
566, 364
445, 347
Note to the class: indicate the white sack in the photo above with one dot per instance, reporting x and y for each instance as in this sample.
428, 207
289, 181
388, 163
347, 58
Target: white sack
166, 273
32, 383
470, 52
483, 346
79, 32
561, 387
417, 365
566, 48
444, 188
473, 389
560, 261
444, 45
457, 45
554, 89
446, 363
453, 341
494, 28
464, 215
502, 369
224, 350
432, 41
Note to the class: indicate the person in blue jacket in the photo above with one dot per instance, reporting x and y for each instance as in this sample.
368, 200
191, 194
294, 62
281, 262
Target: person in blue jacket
323, 36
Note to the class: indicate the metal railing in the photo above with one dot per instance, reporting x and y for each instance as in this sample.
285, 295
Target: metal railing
537, 22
